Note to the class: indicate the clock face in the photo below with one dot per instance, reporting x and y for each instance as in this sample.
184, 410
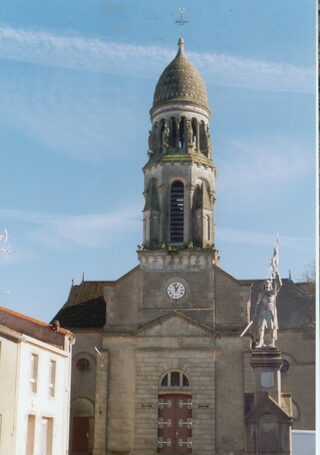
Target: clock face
176, 290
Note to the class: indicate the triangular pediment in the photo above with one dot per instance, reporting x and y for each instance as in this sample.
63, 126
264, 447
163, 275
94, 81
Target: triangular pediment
175, 324
267, 405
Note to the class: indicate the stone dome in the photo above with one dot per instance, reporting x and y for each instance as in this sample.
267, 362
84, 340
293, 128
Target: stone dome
180, 81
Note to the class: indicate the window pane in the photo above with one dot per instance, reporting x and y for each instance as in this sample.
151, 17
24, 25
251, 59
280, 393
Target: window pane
164, 381
33, 372
175, 378
52, 378
185, 381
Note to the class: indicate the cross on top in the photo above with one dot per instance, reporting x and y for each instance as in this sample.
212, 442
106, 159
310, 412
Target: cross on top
181, 20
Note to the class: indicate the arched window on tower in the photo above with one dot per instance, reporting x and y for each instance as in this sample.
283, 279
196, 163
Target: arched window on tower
176, 212
194, 132
208, 227
203, 138
182, 132
173, 132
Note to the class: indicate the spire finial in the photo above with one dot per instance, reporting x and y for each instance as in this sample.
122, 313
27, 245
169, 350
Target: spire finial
181, 43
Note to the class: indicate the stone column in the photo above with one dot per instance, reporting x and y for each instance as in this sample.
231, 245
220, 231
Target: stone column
163, 222
269, 421
189, 190
100, 418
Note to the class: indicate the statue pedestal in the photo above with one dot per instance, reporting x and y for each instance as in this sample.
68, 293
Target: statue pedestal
270, 418
266, 363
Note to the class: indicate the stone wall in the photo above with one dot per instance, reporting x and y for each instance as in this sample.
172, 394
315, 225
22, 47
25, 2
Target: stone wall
199, 366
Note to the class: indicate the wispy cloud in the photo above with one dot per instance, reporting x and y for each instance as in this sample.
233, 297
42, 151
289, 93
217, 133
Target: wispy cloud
64, 231
261, 166
258, 238
94, 230
94, 54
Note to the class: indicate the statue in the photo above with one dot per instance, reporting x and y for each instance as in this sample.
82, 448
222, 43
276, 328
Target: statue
209, 146
189, 133
151, 142
165, 136
190, 245
265, 313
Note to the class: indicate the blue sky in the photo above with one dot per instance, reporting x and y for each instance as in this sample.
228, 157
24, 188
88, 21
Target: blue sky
77, 82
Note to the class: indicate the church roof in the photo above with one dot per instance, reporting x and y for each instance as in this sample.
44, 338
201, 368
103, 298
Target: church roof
89, 314
180, 81
86, 304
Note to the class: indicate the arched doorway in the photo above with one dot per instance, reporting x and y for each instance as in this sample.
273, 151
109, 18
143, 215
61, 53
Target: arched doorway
175, 413
82, 424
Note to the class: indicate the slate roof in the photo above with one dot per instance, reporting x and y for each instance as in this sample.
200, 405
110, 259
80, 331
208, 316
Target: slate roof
86, 306
89, 314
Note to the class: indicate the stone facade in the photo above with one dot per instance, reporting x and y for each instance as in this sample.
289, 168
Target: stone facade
167, 334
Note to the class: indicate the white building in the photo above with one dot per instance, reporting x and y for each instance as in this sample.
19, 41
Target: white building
35, 373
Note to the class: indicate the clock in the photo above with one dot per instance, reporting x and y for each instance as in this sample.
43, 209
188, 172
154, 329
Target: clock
176, 290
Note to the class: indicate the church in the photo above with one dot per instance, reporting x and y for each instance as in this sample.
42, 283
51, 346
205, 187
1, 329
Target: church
159, 365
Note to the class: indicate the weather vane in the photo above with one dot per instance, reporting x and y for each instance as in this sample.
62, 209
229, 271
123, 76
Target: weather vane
181, 20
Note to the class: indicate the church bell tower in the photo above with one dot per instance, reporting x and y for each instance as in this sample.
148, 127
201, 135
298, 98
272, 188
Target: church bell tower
179, 174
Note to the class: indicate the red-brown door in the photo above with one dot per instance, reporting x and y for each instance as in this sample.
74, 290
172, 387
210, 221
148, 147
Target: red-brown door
81, 428
175, 423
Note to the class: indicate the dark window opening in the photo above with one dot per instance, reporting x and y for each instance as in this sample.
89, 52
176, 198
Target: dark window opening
175, 378
176, 212
203, 138
181, 132
194, 131
173, 132
185, 381
164, 381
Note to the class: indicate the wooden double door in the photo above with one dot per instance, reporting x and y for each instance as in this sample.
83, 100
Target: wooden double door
175, 423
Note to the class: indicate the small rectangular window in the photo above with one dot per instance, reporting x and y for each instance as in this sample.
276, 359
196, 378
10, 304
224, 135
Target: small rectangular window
34, 360
52, 378
30, 434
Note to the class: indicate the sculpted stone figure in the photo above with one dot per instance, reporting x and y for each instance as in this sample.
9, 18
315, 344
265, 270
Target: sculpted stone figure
189, 133
265, 313
151, 141
208, 139
165, 136
190, 245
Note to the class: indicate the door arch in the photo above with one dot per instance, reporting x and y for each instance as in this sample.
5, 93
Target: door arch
175, 413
